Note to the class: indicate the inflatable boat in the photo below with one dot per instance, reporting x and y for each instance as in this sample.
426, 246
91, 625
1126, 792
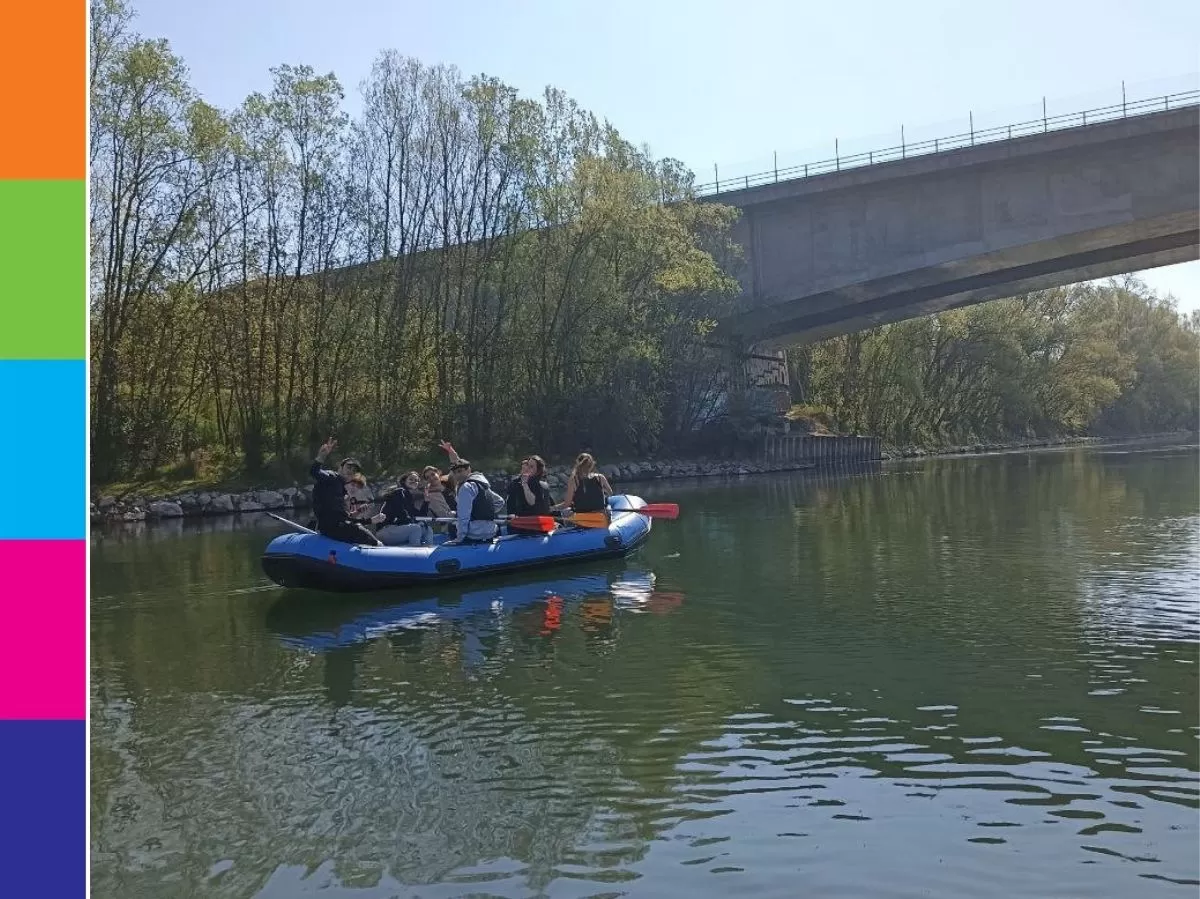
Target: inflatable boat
315, 561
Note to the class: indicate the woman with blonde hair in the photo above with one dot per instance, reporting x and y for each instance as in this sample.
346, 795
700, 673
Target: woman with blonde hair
587, 489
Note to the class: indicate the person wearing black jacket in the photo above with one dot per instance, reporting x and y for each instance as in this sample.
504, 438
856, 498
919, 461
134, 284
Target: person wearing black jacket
397, 519
528, 493
329, 499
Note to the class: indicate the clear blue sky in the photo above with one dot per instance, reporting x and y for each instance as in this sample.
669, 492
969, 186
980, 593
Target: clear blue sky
708, 81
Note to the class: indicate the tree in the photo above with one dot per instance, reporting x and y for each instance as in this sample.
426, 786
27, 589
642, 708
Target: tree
1110, 358
463, 260
152, 145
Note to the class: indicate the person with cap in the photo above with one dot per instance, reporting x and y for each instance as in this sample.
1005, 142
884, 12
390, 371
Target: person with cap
329, 499
477, 505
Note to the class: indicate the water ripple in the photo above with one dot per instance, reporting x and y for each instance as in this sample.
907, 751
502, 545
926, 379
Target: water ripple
978, 678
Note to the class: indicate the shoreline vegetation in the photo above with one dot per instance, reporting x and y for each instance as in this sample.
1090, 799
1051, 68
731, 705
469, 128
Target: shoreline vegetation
460, 260
198, 500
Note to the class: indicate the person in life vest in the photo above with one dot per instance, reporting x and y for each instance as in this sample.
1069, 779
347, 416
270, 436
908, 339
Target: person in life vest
477, 504
528, 492
329, 499
587, 489
452, 487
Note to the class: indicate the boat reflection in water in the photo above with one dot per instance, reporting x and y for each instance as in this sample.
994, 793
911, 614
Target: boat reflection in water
320, 624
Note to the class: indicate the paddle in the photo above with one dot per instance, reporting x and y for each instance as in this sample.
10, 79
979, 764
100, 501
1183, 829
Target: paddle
656, 510
291, 524
543, 524
601, 519
589, 520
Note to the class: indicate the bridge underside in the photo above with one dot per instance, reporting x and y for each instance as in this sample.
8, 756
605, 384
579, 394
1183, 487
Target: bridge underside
842, 252
953, 285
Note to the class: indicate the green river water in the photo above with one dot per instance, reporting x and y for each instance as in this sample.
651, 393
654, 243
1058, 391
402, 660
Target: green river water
962, 677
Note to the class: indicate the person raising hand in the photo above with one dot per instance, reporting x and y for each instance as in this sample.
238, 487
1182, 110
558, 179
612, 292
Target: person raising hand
329, 499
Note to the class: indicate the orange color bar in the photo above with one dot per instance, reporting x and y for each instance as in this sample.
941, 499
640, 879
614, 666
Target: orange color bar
43, 89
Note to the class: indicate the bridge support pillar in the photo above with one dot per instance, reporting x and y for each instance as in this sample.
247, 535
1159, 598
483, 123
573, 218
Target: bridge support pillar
760, 381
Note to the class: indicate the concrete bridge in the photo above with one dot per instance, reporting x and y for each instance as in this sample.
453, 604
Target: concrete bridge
846, 250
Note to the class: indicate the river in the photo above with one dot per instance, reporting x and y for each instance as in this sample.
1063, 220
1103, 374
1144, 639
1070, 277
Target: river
959, 677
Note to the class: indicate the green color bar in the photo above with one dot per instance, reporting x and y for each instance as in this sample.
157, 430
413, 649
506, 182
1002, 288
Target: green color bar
43, 269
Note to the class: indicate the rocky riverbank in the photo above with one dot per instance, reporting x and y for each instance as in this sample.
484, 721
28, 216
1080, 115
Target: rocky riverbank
916, 452
106, 508
299, 496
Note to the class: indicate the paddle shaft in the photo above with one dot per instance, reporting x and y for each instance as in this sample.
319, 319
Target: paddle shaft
534, 522
293, 525
542, 523
602, 519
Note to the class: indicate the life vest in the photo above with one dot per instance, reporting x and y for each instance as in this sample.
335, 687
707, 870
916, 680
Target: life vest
589, 495
483, 508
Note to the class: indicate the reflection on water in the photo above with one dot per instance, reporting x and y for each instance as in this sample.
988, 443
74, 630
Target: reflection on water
311, 621
967, 677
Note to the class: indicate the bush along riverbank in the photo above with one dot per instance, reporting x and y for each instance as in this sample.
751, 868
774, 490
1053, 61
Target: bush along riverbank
196, 503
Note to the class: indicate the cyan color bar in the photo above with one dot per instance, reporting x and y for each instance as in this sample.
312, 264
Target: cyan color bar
44, 427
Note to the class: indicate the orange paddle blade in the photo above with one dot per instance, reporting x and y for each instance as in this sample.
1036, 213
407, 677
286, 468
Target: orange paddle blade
589, 520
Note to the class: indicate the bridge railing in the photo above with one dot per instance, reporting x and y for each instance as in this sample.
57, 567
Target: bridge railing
970, 138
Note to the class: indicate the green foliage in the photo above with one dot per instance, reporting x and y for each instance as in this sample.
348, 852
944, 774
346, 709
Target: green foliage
1104, 359
814, 419
458, 261
462, 261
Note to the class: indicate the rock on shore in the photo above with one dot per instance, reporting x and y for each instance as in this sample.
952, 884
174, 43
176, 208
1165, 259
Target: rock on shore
298, 497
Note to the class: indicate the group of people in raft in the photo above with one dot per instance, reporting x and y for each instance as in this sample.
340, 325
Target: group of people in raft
462, 494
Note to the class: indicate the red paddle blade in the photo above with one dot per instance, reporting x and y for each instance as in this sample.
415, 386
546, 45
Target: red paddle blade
542, 523
660, 510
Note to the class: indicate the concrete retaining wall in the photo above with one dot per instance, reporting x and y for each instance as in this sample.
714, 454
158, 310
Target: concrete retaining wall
821, 451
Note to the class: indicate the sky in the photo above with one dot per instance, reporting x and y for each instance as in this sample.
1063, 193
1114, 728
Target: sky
730, 83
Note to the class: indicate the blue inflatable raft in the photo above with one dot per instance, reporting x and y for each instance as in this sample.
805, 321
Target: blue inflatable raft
317, 562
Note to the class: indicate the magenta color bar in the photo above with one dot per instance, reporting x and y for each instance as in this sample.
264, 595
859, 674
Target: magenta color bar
43, 645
